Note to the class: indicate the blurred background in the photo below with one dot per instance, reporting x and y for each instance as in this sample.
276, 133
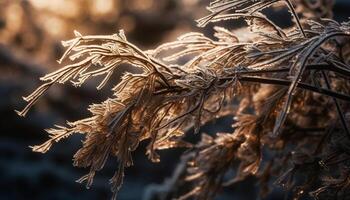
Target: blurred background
30, 35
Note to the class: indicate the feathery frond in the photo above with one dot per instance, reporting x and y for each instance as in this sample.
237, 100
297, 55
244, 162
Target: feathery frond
274, 77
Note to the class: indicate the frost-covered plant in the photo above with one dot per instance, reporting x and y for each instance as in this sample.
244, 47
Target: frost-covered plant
288, 89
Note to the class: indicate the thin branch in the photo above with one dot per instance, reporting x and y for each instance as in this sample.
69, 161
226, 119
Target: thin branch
291, 8
339, 110
281, 82
329, 67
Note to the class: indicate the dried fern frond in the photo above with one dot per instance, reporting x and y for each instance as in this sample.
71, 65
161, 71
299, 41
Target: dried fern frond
93, 56
159, 104
274, 76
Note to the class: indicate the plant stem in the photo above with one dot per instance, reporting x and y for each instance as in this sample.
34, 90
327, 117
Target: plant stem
292, 10
330, 67
339, 110
282, 82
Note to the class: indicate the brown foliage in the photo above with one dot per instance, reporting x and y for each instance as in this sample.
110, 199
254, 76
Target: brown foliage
292, 86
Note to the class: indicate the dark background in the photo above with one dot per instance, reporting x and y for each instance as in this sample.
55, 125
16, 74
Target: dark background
30, 34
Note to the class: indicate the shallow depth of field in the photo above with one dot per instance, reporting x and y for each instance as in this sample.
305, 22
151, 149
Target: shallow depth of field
30, 44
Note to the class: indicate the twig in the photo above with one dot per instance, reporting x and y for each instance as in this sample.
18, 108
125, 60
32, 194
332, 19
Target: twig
339, 110
274, 81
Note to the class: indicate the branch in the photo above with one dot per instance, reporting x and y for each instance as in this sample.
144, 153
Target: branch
339, 110
281, 82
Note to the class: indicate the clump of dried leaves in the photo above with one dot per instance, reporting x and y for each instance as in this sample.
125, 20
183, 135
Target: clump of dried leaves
291, 84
